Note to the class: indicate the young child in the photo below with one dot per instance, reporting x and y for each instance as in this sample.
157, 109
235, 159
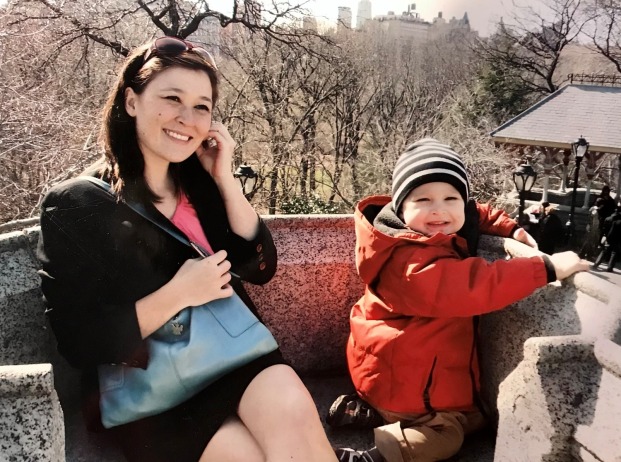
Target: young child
412, 349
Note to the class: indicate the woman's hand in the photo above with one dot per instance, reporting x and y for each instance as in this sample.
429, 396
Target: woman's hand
200, 281
216, 157
216, 152
521, 235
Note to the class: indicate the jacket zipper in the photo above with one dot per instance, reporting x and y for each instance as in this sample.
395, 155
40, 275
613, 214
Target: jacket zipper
476, 399
426, 397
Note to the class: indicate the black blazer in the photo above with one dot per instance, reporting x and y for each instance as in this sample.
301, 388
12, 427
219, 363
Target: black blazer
99, 257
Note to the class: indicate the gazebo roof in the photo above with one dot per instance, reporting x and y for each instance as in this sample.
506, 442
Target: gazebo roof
592, 111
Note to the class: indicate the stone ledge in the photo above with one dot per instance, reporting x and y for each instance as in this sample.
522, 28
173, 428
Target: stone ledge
608, 354
26, 380
541, 350
307, 306
18, 225
599, 439
31, 419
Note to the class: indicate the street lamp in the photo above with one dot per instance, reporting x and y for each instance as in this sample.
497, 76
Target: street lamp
247, 178
524, 178
579, 148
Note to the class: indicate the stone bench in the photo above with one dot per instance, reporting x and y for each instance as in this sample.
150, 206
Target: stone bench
28, 404
529, 353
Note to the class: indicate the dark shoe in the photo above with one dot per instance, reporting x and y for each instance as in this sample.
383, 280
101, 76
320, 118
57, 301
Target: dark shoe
352, 411
350, 455
599, 259
612, 262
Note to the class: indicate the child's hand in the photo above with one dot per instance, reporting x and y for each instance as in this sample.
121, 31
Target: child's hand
521, 235
567, 263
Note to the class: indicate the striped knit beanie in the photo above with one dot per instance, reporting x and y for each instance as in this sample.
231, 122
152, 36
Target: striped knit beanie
427, 161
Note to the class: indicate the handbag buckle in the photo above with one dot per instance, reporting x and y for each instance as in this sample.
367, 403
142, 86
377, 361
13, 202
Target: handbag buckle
176, 327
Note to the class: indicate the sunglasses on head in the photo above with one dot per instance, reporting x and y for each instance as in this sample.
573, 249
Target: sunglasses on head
174, 46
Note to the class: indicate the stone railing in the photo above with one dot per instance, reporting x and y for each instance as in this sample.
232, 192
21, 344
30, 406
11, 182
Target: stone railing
544, 375
551, 362
30, 415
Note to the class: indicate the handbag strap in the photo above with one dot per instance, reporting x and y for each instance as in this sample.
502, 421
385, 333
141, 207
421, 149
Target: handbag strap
143, 212
164, 225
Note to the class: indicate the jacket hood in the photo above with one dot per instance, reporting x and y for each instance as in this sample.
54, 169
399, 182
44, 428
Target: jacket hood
379, 232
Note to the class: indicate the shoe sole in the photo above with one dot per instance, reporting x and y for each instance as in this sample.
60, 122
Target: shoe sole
338, 417
336, 413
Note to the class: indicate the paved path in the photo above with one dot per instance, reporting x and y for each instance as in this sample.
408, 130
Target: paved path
614, 277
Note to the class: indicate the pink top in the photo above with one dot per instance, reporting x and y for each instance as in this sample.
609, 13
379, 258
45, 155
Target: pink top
186, 220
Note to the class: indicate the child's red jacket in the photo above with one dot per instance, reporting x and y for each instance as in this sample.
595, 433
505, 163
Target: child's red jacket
412, 347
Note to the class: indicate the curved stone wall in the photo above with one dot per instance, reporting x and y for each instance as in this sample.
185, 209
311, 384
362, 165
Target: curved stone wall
551, 363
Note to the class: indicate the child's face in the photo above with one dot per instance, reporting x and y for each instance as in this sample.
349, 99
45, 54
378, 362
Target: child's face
434, 208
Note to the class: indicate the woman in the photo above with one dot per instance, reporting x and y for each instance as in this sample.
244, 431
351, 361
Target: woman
111, 278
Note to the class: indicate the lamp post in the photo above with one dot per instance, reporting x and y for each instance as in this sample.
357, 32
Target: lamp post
579, 148
247, 178
524, 177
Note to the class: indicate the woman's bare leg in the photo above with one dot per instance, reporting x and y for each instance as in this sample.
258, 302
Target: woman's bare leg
232, 443
280, 414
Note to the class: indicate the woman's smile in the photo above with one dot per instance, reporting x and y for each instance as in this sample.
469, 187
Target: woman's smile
177, 135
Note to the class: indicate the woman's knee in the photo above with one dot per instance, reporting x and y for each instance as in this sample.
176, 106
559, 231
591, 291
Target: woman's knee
233, 443
279, 390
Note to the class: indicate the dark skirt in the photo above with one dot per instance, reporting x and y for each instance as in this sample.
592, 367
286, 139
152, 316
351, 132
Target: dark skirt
182, 433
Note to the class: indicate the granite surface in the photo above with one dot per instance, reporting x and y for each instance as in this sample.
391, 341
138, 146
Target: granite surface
601, 435
31, 419
558, 395
313, 290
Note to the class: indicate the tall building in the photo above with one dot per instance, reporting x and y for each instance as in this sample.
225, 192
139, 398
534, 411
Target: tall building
410, 26
309, 23
406, 26
208, 35
344, 18
249, 10
364, 13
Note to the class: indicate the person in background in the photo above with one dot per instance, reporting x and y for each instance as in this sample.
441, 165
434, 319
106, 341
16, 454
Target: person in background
412, 352
605, 205
530, 219
551, 229
591, 245
112, 278
612, 241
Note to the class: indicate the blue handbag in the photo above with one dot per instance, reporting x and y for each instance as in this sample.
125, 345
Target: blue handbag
192, 350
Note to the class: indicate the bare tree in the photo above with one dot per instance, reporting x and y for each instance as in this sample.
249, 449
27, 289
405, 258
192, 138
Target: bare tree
57, 63
282, 91
48, 116
323, 126
606, 32
114, 23
530, 46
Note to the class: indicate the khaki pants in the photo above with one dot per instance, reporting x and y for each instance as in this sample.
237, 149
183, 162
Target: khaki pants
427, 438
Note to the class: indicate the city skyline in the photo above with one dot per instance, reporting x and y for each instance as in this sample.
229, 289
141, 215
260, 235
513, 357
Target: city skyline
483, 14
